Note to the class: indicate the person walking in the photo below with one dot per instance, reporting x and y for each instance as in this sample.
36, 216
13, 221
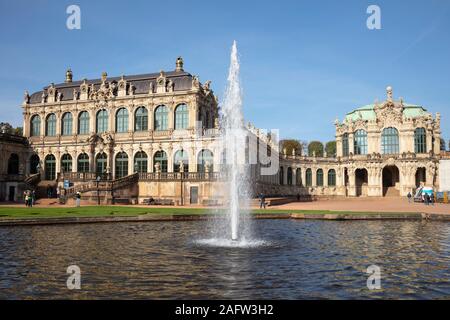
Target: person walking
409, 197
427, 199
432, 199
262, 201
33, 197
78, 199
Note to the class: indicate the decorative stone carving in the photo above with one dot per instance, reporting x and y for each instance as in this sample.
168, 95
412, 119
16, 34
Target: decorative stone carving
161, 83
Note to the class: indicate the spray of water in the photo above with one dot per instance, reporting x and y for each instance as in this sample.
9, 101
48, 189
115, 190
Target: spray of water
234, 138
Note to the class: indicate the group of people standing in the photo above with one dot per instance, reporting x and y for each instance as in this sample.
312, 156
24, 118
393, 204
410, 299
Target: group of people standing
29, 197
427, 198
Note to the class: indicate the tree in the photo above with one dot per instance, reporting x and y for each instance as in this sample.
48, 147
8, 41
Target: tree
8, 128
330, 148
315, 147
289, 145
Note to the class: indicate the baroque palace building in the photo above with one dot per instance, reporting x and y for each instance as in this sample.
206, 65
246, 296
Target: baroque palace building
132, 138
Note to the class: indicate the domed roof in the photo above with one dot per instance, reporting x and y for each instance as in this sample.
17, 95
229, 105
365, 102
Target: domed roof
367, 112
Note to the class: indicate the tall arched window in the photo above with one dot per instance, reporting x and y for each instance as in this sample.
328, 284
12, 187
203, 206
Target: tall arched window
83, 163
181, 156
319, 177
66, 124
13, 164
140, 162
390, 141
204, 159
308, 177
66, 163
281, 175
50, 125
141, 119
331, 178
34, 163
101, 164
161, 118
289, 176
360, 142
122, 120
121, 165
161, 158
181, 116
420, 140
50, 167
35, 126
101, 121
345, 149
298, 176
83, 122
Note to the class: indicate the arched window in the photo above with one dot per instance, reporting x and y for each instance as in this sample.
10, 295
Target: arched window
34, 163
281, 175
345, 149
289, 176
161, 118
420, 140
161, 158
308, 177
141, 119
50, 167
83, 163
331, 178
83, 122
360, 142
35, 126
66, 163
50, 125
181, 117
13, 164
66, 124
298, 176
101, 121
121, 165
204, 159
319, 177
389, 141
122, 120
181, 156
140, 162
101, 164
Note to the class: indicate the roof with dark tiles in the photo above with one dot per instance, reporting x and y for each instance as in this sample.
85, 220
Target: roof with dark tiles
182, 81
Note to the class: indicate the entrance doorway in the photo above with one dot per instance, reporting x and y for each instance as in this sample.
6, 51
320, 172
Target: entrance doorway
391, 178
12, 193
361, 181
194, 195
420, 177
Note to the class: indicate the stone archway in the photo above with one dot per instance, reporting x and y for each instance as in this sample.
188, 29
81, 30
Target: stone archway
421, 177
361, 181
391, 180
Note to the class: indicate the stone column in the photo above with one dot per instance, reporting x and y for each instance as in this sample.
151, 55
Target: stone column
131, 119
92, 121
351, 143
352, 183
304, 177
43, 116
75, 123
314, 177
171, 124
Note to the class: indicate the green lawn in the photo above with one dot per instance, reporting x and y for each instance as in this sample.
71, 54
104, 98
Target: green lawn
124, 211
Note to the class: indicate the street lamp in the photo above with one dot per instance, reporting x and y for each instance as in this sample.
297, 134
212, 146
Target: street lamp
98, 191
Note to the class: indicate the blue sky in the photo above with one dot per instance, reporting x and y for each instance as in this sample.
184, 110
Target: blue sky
303, 63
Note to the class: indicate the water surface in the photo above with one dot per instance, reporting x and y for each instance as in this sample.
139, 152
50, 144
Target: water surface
159, 260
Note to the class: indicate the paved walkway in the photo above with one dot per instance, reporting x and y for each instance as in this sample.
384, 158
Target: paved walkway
367, 204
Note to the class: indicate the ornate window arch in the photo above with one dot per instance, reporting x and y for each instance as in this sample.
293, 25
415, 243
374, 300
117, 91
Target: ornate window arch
50, 125
181, 117
345, 148
319, 177
360, 142
205, 158
289, 176
35, 125
389, 141
420, 140
161, 158
121, 165
181, 155
83, 122
140, 162
298, 176
331, 178
122, 120
101, 163
308, 177
66, 124
83, 163
161, 122
141, 119
66, 163
50, 167
101, 120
